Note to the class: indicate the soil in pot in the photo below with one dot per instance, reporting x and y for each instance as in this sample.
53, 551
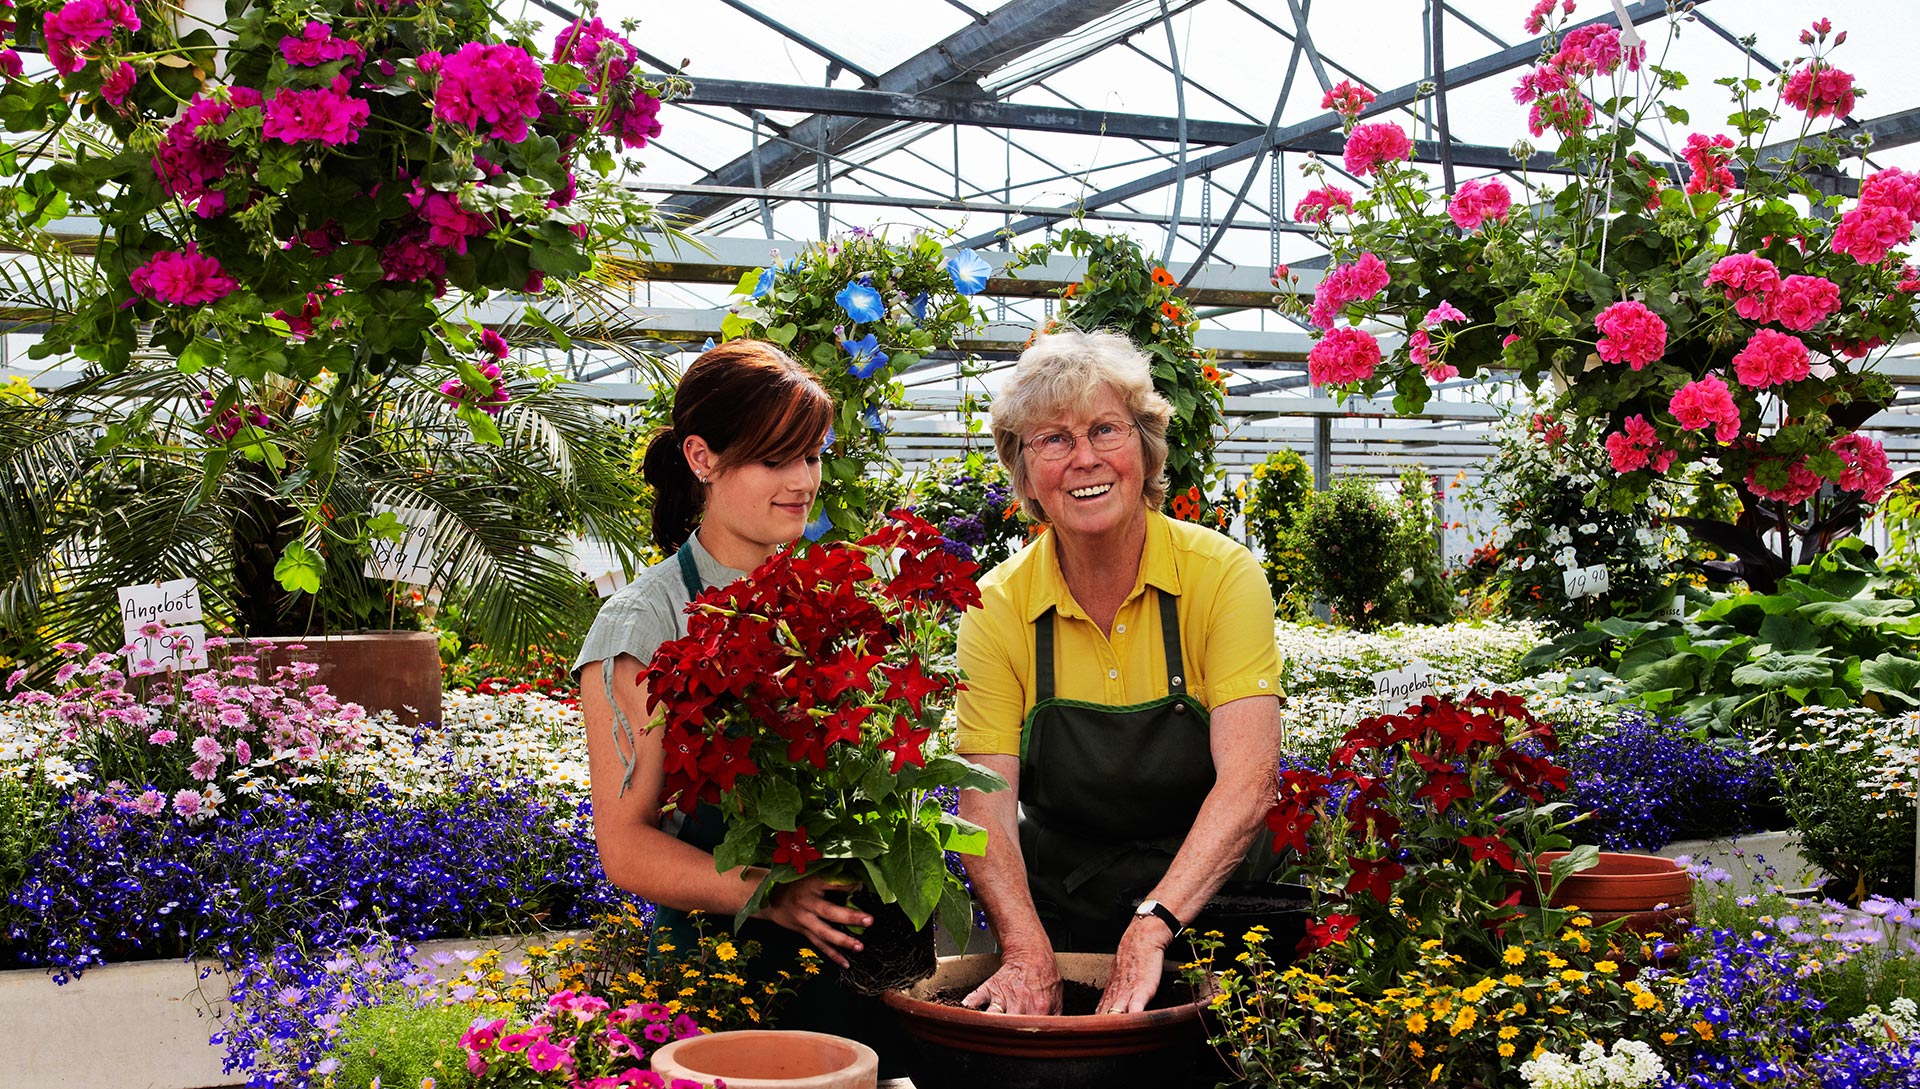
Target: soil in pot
896, 956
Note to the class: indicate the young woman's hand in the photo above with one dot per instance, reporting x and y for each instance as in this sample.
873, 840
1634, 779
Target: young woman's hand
807, 907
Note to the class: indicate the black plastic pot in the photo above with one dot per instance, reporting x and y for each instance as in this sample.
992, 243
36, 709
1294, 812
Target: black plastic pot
1240, 906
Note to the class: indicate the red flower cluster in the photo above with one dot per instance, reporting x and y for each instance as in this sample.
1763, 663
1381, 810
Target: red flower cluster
1391, 772
790, 664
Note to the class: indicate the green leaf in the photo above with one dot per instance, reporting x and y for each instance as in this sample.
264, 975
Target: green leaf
783, 333
741, 847
1777, 670
878, 782
299, 569
1584, 857
915, 869
1893, 675
956, 913
779, 805
958, 771
962, 835
199, 355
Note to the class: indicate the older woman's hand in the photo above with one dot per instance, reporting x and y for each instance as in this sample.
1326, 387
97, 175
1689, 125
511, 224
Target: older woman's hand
1024, 984
1137, 965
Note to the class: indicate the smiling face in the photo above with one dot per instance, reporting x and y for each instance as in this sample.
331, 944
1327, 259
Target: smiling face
1089, 492
755, 508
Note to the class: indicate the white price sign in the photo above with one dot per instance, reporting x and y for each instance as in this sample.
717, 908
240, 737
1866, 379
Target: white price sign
1402, 687
175, 606
1588, 581
409, 559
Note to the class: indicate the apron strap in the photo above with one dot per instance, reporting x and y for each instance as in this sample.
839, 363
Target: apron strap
690, 573
1170, 639
1043, 658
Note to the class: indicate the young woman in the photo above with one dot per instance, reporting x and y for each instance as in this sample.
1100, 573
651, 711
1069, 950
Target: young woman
733, 481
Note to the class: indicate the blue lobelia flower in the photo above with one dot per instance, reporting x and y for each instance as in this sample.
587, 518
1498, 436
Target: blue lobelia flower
969, 272
765, 283
871, 417
917, 306
817, 528
867, 356
861, 303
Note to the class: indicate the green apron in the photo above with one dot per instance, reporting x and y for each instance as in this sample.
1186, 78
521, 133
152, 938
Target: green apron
1108, 795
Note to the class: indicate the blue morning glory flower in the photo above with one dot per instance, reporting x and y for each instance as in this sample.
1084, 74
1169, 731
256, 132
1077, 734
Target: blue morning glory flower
708, 346
969, 272
817, 528
867, 356
765, 283
871, 417
861, 303
828, 444
917, 306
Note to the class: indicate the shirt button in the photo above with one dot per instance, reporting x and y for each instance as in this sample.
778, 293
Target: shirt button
1112, 674
1263, 682
1121, 628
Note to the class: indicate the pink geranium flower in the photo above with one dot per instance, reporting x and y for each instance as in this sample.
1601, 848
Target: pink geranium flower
1369, 147
606, 56
1749, 280
1805, 301
1707, 403
1892, 188
182, 278
327, 115
119, 85
316, 46
1631, 334
1346, 98
1820, 90
1478, 201
1637, 446
1317, 205
1771, 359
1344, 355
80, 24
1869, 232
1363, 279
1867, 471
1709, 156
1801, 485
495, 85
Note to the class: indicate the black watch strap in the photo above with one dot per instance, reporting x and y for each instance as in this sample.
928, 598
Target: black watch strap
1165, 914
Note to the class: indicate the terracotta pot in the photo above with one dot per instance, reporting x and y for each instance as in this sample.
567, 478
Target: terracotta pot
770, 1059
1651, 893
396, 671
959, 1048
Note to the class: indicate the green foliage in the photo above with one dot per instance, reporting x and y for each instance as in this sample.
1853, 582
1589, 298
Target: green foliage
794, 304
1126, 293
1838, 632
968, 499
400, 1044
1351, 541
1425, 595
1278, 488
1864, 843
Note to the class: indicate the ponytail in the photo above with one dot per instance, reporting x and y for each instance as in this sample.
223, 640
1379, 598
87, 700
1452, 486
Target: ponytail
677, 497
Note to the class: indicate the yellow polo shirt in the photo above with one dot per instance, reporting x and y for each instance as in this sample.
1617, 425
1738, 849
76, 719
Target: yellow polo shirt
1226, 634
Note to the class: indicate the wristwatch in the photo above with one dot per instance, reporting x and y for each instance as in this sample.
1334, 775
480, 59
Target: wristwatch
1160, 911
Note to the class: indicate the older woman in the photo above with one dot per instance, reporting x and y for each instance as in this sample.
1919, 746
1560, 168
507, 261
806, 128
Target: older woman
1122, 676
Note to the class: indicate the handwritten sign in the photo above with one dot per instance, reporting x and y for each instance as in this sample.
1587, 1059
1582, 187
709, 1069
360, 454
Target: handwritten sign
173, 606
1677, 609
1398, 688
1588, 581
410, 559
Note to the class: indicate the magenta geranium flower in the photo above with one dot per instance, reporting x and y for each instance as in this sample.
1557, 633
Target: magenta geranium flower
1821, 90
316, 46
1478, 201
1637, 446
1771, 359
1749, 281
182, 278
1805, 301
495, 85
325, 114
1317, 205
1707, 403
1344, 355
1631, 334
78, 25
1369, 147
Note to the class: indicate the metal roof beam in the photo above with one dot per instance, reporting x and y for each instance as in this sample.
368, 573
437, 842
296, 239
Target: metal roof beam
959, 60
1325, 123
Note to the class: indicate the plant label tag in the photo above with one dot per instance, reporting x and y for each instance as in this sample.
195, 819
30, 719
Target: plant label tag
169, 603
1403, 687
182, 648
1677, 609
1588, 581
408, 560
596, 563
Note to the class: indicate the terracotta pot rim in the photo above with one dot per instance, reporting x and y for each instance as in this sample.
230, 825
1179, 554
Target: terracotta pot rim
1026, 1025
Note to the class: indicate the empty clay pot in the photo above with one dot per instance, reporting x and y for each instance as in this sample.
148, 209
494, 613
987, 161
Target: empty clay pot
1651, 893
959, 1048
770, 1059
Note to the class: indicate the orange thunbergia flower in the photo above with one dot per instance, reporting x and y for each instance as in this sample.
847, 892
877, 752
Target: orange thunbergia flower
1163, 277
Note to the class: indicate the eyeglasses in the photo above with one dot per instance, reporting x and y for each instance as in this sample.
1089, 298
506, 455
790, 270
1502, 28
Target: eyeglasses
1103, 438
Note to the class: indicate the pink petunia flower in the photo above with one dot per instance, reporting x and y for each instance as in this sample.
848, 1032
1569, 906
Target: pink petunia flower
1631, 334
1705, 403
1369, 147
1344, 355
1771, 358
